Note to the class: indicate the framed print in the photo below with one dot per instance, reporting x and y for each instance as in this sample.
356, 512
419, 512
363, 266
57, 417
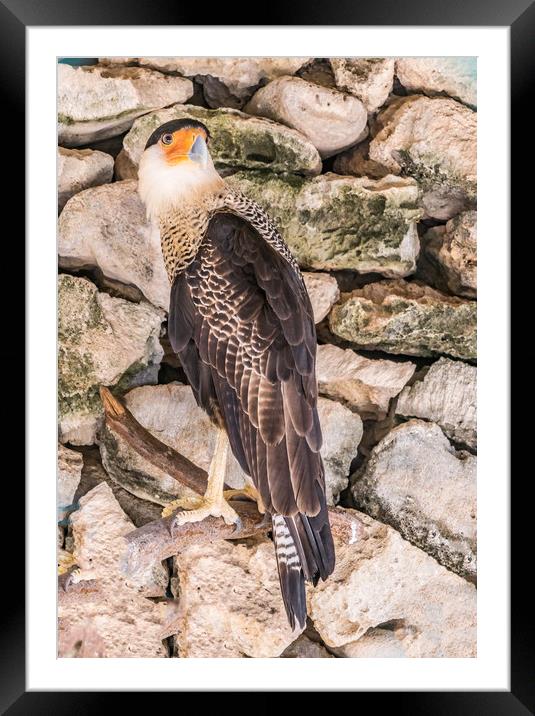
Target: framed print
268, 354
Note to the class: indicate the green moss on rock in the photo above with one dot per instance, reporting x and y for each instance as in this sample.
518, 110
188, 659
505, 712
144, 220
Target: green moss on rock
102, 341
333, 222
238, 140
433, 140
406, 318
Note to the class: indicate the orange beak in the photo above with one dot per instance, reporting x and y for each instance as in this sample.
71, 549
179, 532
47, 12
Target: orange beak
180, 149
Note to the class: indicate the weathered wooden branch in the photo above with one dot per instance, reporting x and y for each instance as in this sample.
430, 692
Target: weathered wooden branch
121, 421
163, 538
160, 539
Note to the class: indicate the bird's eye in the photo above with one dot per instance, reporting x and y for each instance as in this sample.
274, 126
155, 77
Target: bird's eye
167, 138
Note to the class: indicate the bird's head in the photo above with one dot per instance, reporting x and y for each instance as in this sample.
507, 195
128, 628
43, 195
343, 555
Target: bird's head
176, 167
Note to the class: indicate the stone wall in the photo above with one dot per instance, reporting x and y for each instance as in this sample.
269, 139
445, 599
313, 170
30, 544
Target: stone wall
368, 166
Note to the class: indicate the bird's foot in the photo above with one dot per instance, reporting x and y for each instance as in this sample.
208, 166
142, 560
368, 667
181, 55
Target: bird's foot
196, 509
249, 491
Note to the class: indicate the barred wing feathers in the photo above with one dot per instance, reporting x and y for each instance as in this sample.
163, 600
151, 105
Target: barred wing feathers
241, 322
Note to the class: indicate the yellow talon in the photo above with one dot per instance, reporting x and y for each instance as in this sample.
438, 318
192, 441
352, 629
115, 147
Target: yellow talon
249, 491
184, 503
213, 502
196, 509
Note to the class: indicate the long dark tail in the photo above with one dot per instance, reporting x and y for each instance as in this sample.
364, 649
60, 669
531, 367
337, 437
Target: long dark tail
305, 552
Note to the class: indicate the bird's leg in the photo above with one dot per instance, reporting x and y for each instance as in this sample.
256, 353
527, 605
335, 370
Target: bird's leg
213, 503
248, 491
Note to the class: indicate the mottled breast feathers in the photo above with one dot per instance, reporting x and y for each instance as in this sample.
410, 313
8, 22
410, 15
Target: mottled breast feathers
241, 322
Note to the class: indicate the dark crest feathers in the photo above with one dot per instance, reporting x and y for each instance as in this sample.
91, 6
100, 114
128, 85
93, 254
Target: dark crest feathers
173, 126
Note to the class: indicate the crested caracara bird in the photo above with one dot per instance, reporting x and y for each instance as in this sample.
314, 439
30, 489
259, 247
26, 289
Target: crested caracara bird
241, 323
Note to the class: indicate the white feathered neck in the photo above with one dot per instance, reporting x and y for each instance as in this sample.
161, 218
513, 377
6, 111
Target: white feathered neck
163, 187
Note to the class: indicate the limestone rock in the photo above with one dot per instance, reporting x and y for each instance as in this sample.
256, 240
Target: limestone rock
448, 396
305, 648
79, 169
240, 75
332, 222
363, 384
342, 433
356, 162
392, 642
231, 605
124, 167
432, 140
106, 227
93, 473
406, 318
453, 76
114, 619
323, 292
99, 527
102, 341
369, 79
331, 120
171, 414
97, 102
444, 202
415, 481
70, 465
216, 94
450, 255
382, 581
238, 140
318, 71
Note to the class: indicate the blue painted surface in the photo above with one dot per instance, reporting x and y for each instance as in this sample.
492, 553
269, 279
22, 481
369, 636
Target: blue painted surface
77, 61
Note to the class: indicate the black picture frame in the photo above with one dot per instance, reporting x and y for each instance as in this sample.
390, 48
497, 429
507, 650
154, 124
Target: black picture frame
519, 15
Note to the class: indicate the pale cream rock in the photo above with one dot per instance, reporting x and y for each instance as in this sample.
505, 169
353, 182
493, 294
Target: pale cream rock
333, 222
369, 79
97, 102
70, 464
415, 481
230, 600
114, 619
240, 75
102, 341
450, 253
448, 396
432, 139
99, 528
380, 578
454, 76
106, 227
79, 169
366, 385
323, 292
408, 318
342, 433
332, 120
